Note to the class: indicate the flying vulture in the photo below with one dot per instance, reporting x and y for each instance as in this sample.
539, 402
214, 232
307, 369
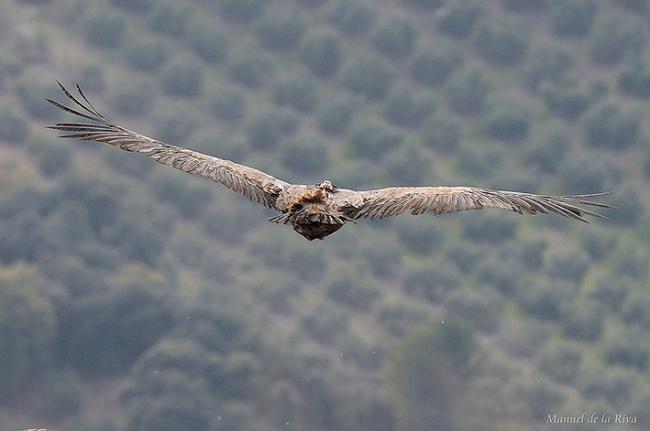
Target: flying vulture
318, 210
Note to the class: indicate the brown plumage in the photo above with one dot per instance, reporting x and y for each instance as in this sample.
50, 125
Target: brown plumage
316, 211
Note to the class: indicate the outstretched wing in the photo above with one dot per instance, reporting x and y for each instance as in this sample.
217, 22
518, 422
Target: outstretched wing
252, 183
437, 200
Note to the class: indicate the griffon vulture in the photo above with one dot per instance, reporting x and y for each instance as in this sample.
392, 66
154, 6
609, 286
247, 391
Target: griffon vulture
318, 210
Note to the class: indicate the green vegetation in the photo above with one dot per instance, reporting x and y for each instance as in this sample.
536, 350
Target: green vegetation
136, 298
322, 54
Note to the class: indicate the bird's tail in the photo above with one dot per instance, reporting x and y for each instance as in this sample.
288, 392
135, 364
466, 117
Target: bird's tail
303, 217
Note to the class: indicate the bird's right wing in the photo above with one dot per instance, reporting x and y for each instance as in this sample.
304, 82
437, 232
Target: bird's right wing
437, 200
252, 183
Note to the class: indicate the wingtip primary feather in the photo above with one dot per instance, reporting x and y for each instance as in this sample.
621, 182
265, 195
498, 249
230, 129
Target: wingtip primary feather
91, 113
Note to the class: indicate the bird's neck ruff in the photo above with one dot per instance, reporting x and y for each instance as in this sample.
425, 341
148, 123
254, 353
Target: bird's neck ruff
313, 196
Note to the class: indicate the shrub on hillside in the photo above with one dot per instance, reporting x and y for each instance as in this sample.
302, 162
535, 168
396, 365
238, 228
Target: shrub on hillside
305, 155
630, 259
312, 3
607, 126
508, 121
546, 64
634, 5
488, 227
335, 116
325, 323
383, 261
36, 2
526, 339
305, 261
280, 31
581, 174
419, 236
636, 309
569, 266
528, 253
228, 223
61, 394
492, 272
189, 247
441, 133
430, 365
32, 93
264, 129
634, 80
566, 100
546, 300
251, 71
400, 318
228, 105
321, 54
134, 98
425, 4
629, 209
171, 18
368, 76
372, 139
145, 315
134, 5
120, 161
524, 5
275, 291
32, 48
598, 244
353, 18
407, 164
182, 77
208, 41
628, 350
173, 124
614, 36
584, 323
468, 91
614, 386
547, 150
572, 18
104, 29
560, 361
406, 109
429, 282
10, 68
481, 307
241, 11
297, 92
147, 55
395, 38
181, 409
28, 324
13, 125
433, 67
612, 292
501, 42
345, 287
53, 156
188, 197
458, 18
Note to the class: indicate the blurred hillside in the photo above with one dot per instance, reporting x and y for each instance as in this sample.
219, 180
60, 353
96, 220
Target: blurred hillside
136, 298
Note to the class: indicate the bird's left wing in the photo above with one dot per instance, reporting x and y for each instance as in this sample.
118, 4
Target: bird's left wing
394, 201
254, 184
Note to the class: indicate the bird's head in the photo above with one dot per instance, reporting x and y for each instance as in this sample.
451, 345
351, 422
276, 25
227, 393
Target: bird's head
327, 186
